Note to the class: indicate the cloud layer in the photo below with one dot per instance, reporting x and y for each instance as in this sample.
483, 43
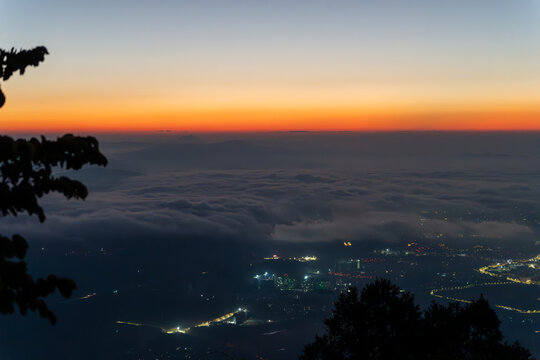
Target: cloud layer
255, 190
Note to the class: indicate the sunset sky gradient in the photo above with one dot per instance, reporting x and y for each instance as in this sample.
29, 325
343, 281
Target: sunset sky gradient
214, 65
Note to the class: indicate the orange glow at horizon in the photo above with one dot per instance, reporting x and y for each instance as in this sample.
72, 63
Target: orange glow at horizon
271, 108
125, 119
275, 66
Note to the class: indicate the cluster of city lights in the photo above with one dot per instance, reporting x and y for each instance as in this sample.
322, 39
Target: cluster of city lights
265, 276
347, 275
490, 271
179, 330
299, 259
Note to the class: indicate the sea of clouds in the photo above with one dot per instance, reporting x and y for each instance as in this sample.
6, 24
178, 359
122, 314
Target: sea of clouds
303, 187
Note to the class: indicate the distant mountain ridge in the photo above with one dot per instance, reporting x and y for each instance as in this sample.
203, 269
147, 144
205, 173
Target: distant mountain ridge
189, 152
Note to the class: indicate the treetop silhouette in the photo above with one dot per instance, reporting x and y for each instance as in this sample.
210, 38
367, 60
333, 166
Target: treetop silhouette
384, 323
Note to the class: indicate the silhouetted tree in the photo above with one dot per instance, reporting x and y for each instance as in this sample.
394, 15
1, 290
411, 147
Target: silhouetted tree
385, 324
26, 174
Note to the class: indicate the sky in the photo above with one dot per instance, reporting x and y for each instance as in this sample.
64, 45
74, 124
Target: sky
211, 65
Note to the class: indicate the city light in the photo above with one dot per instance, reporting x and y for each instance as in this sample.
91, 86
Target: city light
435, 292
495, 270
178, 330
299, 259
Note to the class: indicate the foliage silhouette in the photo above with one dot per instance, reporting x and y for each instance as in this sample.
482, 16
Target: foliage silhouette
18, 60
383, 323
26, 174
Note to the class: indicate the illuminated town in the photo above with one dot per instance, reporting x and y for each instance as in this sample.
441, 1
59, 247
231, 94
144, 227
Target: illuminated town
289, 289
520, 271
230, 318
